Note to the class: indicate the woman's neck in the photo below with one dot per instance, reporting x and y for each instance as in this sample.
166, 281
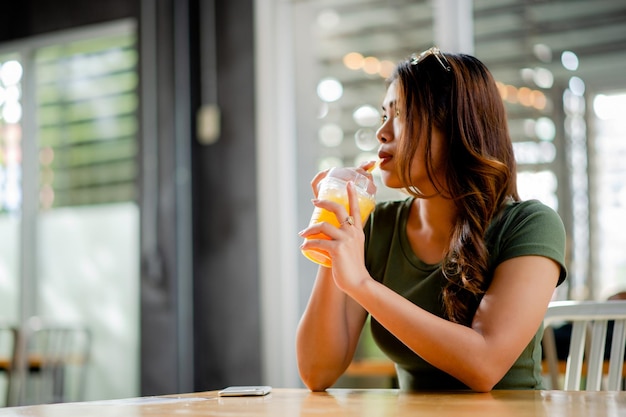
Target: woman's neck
429, 228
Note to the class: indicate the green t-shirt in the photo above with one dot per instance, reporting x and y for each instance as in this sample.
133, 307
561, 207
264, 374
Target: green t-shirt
522, 228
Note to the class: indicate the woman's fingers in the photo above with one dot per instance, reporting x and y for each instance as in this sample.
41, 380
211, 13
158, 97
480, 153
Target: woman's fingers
316, 180
367, 166
321, 228
355, 210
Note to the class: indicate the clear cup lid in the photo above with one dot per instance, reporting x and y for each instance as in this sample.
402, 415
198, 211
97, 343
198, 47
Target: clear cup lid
350, 174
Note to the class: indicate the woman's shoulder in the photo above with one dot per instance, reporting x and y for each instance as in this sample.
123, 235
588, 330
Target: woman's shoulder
528, 206
391, 210
530, 221
387, 215
516, 212
528, 228
393, 205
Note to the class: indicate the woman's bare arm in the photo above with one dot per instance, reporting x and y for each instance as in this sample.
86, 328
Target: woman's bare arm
506, 320
328, 333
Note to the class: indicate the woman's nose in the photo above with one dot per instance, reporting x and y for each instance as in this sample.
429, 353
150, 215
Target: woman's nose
382, 134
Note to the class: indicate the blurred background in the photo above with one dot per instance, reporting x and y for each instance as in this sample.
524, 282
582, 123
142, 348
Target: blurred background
155, 160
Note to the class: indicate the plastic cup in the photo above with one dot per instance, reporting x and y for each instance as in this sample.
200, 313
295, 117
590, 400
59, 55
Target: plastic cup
333, 188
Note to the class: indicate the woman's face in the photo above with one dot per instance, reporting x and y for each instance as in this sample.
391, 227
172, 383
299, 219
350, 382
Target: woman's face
389, 134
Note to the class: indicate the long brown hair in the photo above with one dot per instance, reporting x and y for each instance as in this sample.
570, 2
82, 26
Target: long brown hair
465, 105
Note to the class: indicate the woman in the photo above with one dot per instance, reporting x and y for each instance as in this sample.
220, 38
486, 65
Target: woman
457, 277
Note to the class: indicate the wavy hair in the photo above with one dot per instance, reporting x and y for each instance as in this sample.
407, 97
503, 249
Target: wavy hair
480, 170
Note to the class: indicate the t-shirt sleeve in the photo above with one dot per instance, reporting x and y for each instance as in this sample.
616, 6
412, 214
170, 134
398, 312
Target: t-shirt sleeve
530, 228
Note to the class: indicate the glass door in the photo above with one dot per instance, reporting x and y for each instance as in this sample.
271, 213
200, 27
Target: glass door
11, 73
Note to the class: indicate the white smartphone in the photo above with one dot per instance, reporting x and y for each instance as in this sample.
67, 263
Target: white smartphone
241, 391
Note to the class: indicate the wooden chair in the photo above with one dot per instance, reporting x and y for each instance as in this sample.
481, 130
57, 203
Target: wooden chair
8, 342
52, 363
588, 342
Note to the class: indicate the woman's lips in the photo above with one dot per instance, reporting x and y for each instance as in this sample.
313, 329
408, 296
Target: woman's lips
384, 157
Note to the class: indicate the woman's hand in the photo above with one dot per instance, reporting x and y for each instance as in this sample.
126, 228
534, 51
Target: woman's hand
365, 169
346, 244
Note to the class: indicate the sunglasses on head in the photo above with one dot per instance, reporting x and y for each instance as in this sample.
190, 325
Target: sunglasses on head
434, 51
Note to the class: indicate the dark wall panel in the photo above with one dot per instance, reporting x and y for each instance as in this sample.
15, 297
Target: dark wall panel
227, 319
159, 341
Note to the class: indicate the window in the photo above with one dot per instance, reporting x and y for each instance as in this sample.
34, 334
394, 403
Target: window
87, 122
609, 197
69, 219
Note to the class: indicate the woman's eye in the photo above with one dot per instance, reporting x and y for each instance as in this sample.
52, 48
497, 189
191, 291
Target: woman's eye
383, 119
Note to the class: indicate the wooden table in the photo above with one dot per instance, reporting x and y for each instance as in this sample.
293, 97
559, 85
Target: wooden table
347, 403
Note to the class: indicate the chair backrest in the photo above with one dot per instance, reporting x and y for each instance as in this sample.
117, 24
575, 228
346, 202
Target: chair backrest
53, 362
8, 342
590, 320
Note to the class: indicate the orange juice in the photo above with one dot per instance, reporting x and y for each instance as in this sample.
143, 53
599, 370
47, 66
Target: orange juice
334, 189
